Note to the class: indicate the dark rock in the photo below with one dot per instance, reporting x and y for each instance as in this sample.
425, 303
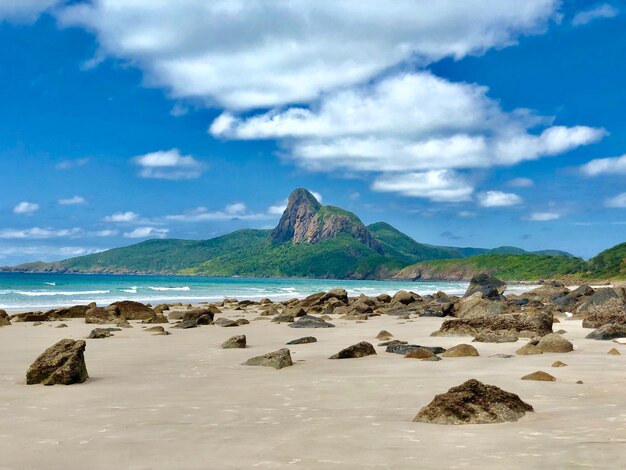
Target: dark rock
157, 318
197, 313
502, 356
63, 363
361, 349
62, 325
304, 340
405, 298
102, 315
283, 319
236, 342
184, 325
99, 333
393, 341
554, 343
502, 337
608, 331
77, 311
538, 323
489, 286
310, 321
155, 329
602, 307
407, 348
133, 310
473, 403
242, 321
225, 323
277, 359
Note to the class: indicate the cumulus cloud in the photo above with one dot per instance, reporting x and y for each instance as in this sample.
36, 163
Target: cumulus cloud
498, 199
260, 53
147, 232
605, 166
618, 201
521, 183
128, 216
168, 164
543, 216
24, 10
72, 201
26, 208
587, 16
410, 122
435, 185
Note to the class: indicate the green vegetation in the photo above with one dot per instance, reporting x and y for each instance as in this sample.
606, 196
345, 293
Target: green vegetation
610, 263
524, 267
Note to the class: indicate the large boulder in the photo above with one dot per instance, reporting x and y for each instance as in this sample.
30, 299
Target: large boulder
461, 350
520, 324
489, 286
608, 331
77, 311
4, 318
361, 349
277, 359
197, 313
132, 310
554, 343
473, 403
63, 363
602, 307
102, 315
34, 316
303, 340
236, 342
476, 306
405, 298
310, 321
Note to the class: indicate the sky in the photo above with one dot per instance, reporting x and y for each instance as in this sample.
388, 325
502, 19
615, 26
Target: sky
475, 123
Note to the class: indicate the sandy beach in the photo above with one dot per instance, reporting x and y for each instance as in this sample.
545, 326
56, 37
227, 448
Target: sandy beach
180, 401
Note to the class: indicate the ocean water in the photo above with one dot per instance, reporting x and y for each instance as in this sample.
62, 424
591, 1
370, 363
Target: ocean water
19, 291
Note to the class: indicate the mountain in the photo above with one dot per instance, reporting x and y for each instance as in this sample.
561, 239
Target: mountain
508, 267
310, 240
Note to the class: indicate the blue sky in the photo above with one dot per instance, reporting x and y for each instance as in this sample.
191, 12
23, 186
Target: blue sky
485, 123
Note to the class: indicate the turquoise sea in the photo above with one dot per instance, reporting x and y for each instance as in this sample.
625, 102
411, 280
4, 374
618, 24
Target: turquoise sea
20, 291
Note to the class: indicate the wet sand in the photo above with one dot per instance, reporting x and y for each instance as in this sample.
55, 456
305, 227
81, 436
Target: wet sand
180, 401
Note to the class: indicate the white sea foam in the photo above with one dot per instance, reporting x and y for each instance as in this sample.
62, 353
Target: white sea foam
52, 293
186, 288
131, 290
50, 283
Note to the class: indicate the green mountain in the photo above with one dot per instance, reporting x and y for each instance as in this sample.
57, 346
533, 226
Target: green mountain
310, 240
508, 267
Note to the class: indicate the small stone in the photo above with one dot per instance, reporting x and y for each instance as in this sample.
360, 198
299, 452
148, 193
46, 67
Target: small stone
540, 376
242, 321
558, 364
225, 323
277, 359
419, 353
384, 334
502, 356
580, 382
236, 342
186, 324
614, 352
37, 323
528, 350
99, 333
155, 329
304, 340
62, 325
461, 350
391, 342
361, 349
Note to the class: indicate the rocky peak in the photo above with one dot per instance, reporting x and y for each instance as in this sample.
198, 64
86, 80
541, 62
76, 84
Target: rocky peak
305, 220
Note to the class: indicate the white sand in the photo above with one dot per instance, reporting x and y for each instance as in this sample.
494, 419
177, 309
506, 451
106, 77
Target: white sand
182, 402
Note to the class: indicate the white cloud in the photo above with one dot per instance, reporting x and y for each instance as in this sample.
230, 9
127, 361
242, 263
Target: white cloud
230, 212
618, 201
436, 185
277, 209
259, 53
24, 10
69, 164
72, 201
543, 216
498, 199
26, 208
122, 217
179, 110
466, 214
147, 232
521, 183
605, 166
168, 164
104, 233
602, 11
410, 122
46, 251
39, 233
